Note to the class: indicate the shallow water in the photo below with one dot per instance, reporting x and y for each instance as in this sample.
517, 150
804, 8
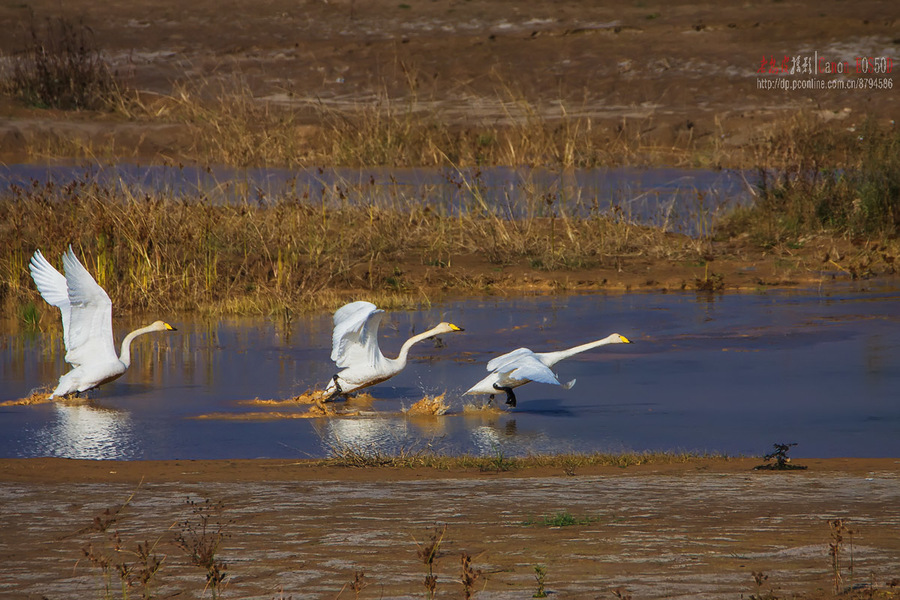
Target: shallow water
731, 373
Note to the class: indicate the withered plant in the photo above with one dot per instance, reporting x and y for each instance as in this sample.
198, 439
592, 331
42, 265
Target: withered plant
200, 538
760, 578
839, 528
136, 566
428, 552
358, 583
284, 254
469, 575
621, 594
781, 458
61, 66
540, 576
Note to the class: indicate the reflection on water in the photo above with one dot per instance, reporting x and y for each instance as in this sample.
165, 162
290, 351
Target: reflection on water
731, 374
85, 431
369, 434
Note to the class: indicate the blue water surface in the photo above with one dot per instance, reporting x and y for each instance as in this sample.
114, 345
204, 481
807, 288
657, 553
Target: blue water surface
730, 374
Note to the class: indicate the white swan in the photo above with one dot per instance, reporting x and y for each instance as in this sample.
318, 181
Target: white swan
355, 348
521, 366
87, 324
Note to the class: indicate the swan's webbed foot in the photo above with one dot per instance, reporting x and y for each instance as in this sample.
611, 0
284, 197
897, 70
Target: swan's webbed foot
337, 390
510, 397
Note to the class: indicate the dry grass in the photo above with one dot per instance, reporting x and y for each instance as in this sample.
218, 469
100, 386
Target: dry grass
353, 455
232, 127
816, 179
155, 252
60, 65
254, 416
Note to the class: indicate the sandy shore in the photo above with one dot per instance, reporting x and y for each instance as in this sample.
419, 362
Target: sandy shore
696, 530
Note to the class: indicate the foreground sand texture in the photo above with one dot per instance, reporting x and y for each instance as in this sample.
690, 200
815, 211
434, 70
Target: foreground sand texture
673, 531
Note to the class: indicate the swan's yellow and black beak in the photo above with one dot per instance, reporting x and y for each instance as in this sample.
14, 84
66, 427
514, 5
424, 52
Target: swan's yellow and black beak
169, 327
624, 339
455, 328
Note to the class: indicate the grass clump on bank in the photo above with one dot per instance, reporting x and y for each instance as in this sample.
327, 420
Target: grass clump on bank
814, 179
61, 66
562, 518
350, 455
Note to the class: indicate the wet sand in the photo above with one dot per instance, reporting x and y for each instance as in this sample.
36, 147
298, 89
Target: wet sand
299, 529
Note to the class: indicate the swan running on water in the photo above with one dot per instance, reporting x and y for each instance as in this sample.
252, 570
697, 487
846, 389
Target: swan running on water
87, 324
521, 366
355, 349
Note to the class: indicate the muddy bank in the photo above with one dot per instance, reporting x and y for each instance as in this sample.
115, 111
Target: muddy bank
698, 529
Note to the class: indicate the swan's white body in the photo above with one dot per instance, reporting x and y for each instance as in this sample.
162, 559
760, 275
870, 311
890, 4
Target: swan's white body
355, 348
521, 366
87, 324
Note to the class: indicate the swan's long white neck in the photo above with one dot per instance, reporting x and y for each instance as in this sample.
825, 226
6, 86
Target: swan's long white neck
400, 361
125, 354
551, 358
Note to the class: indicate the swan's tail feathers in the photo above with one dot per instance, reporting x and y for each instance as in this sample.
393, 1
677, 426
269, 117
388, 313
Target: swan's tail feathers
568, 386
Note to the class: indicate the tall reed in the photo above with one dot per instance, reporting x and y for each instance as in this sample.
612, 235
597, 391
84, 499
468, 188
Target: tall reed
156, 250
815, 179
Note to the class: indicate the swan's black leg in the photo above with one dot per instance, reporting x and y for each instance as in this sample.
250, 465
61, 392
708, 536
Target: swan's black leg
510, 397
337, 390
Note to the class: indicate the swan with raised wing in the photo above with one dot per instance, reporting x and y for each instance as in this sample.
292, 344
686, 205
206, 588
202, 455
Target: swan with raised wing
355, 349
87, 324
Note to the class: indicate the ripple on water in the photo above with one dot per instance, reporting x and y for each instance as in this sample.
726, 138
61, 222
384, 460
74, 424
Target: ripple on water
675, 389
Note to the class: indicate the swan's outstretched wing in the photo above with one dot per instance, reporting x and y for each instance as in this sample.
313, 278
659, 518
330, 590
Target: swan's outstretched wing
526, 367
89, 336
498, 363
355, 337
53, 288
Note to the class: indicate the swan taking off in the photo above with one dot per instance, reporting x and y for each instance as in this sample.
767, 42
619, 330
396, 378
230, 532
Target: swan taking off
355, 348
87, 324
521, 366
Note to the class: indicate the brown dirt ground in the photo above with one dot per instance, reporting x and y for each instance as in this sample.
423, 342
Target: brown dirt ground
677, 71
697, 529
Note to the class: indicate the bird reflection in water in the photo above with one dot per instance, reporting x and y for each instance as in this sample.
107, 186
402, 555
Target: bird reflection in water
87, 431
371, 434
388, 435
